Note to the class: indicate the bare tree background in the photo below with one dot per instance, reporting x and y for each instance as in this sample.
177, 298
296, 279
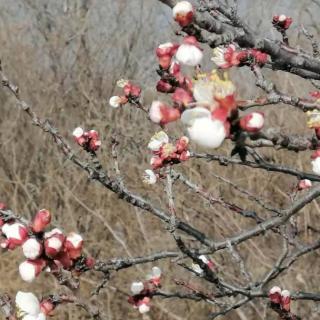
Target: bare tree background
66, 57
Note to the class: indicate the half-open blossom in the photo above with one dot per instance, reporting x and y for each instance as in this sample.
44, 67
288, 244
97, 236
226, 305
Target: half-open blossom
285, 300
144, 305
155, 276
189, 52
252, 122
149, 177
282, 21
316, 162
16, 234
117, 101
158, 140
32, 248
73, 244
41, 220
304, 184
183, 13
275, 295
28, 307
137, 287
30, 269
226, 57
163, 114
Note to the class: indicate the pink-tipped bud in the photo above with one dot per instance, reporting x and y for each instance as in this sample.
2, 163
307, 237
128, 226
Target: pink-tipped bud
189, 52
275, 295
53, 245
73, 245
165, 87
285, 300
41, 220
304, 184
46, 307
282, 21
163, 114
78, 134
182, 97
252, 122
16, 234
137, 287
183, 13
30, 269
184, 156
32, 249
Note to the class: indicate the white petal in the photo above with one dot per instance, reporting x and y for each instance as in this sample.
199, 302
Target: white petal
114, 102
143, 308
256, 121
149, 177
207, 133
31, 248
28, 303
158, 140
78, 132
27, 271
52, 232
189, 116
137, 287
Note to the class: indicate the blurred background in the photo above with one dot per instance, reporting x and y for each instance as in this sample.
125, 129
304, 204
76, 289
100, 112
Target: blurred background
66, 56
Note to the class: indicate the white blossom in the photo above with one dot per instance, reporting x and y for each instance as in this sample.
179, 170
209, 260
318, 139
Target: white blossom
189, 55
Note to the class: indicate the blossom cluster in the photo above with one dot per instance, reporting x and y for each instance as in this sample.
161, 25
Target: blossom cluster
28, 306
229, 56
131, 93
281, 298
44, 251
142, 292
89, 140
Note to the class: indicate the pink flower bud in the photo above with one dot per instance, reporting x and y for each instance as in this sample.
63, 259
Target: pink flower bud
304, 184
165, 87
182, 97
131, 90
184, 156
163, 114
156, 163
252, 122
73, 245
78, 134
41, 220
32, 249
16, 234
275, 295
53, 245
183, 13
30, 269
1, 223
285, 300
315, 154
